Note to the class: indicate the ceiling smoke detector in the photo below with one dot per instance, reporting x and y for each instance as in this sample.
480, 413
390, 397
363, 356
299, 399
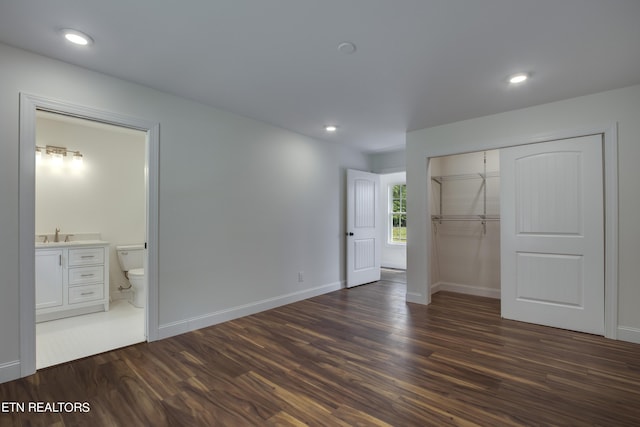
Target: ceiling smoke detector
347, 47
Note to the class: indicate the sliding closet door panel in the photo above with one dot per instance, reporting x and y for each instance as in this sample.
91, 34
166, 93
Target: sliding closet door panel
552, 234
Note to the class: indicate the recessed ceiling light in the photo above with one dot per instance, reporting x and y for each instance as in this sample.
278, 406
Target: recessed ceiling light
518, 78
331, 128
347, 47
77, 37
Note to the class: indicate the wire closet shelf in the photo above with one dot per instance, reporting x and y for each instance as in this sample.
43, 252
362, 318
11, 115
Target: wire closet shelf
483, 217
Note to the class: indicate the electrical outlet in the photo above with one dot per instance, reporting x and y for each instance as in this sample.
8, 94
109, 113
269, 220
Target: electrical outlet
300, 276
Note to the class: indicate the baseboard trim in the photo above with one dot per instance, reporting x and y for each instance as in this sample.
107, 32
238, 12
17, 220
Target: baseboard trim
9, 371
417, 298
180, 327
393, 266
626, 333
465, 289
72, 312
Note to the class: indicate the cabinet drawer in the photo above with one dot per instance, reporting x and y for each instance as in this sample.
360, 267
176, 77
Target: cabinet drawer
84, 275
85, 293
86, 256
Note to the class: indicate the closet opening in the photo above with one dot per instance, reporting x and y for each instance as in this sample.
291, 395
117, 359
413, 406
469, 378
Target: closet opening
551, 258
465, 223
525, 224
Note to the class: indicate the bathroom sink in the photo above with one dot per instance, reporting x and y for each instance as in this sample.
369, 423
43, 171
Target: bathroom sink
72, 243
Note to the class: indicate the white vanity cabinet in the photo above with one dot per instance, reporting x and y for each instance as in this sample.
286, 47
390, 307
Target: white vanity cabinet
48, 278
72, 278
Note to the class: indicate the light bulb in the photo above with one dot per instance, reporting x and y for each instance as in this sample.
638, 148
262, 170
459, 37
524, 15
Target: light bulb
57, 160
77, 161
518, 78
77, 37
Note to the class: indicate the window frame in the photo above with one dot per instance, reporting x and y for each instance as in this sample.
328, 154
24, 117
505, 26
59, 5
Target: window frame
391, 212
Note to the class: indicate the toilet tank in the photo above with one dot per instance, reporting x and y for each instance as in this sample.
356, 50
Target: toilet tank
130, 256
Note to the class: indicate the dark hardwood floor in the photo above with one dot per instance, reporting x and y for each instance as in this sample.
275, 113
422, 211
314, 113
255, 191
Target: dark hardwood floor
353, 357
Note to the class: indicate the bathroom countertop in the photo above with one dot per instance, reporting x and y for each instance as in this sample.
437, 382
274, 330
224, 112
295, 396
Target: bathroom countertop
77, 243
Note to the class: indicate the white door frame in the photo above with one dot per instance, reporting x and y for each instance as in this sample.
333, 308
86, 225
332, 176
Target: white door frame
28, 106
610, 157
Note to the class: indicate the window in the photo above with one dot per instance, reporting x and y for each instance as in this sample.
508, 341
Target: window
398, 214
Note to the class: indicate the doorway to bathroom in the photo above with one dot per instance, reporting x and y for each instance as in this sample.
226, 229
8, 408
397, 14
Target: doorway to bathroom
88, 183
90, 198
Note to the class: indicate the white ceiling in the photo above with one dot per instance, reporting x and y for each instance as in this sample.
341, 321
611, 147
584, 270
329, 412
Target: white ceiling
419, 63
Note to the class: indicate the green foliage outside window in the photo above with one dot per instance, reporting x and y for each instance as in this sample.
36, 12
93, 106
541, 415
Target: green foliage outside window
399, 213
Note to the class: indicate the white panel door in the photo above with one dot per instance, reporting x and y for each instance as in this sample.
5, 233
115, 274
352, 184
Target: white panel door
552, 234
363, 228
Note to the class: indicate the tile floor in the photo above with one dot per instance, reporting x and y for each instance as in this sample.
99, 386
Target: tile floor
72, 338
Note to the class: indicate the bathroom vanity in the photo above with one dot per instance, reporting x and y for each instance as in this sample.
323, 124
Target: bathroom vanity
72, 278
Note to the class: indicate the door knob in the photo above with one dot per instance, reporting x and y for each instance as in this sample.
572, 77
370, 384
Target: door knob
349, 234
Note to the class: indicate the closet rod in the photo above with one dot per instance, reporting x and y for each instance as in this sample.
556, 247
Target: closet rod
483, 221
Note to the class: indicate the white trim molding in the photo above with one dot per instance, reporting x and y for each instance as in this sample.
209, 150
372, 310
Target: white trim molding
610, 153
417, 298
626, 333
29, 104
465, 289
9, 371
180, 327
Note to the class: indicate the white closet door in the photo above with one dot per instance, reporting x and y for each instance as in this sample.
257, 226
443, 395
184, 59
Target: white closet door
552, 234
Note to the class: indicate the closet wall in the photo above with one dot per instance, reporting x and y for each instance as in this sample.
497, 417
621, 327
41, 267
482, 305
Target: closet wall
466, 207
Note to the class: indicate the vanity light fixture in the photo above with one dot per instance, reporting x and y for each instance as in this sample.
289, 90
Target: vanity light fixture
52, 150
57, 154
77, 37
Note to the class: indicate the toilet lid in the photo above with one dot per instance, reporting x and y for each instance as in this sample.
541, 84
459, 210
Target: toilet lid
136, 272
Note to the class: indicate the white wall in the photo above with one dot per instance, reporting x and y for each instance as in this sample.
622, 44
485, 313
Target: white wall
621, 106
244, 206
393, 255
106, 195
465, 256
388, 161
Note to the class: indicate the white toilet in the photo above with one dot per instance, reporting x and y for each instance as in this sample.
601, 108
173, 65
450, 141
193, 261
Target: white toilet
131, 258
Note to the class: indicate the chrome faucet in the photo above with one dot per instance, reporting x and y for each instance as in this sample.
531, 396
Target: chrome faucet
56, 238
